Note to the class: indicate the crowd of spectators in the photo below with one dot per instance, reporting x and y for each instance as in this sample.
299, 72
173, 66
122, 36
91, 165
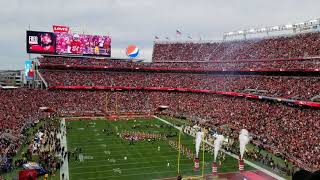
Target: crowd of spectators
245, 65
259, 65
292, 131
48, 146
298, 45
255, 152
302, 88
289, 130
294, 52
18, 111
45, 145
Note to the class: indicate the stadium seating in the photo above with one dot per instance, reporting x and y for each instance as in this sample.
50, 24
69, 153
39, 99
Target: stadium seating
303, 88
300, 45
19, 108
291, 131
302, 64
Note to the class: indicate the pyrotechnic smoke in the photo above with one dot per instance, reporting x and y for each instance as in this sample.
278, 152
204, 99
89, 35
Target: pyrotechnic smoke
198, 142
244, 140
217, 145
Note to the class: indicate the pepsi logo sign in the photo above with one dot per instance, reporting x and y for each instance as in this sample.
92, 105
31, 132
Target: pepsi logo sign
132, 51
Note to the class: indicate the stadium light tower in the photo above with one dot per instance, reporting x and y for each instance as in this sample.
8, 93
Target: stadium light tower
301, 26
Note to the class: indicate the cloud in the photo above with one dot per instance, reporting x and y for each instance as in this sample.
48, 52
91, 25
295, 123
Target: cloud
138, 21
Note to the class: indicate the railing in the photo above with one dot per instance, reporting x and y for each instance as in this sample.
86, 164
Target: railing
42, 79
174, 69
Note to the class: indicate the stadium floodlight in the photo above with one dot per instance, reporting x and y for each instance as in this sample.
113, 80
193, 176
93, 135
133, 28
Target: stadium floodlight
313, 21
282, 27
252, 30
299, 24
289, 26
263, 29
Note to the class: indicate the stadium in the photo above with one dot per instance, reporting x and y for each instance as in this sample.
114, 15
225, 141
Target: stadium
243, 107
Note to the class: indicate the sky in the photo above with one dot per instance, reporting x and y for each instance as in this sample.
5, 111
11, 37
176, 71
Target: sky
139, 21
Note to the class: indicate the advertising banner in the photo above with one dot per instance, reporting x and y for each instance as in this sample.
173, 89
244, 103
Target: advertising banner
29, 69
60, 29
41, 42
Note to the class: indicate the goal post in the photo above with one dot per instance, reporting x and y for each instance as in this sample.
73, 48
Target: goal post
196, 160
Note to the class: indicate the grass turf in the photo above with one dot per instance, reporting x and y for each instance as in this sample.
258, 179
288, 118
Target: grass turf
144, 161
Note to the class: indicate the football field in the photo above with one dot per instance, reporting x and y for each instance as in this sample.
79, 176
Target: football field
98, 151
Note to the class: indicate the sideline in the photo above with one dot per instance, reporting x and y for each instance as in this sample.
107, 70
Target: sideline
232, 155
63, 139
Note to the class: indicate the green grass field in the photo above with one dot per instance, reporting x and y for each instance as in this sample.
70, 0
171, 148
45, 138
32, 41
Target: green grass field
104, 154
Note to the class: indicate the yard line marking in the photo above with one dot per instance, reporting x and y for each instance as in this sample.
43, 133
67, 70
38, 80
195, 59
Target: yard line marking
106, 171
120, 164
63, 139
107, 177
88, 161
120, 157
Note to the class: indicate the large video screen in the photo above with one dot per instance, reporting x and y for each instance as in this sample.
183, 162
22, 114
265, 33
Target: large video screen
41, 42
97, 45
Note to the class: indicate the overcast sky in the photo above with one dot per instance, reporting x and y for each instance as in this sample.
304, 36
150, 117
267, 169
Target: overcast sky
138, 21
